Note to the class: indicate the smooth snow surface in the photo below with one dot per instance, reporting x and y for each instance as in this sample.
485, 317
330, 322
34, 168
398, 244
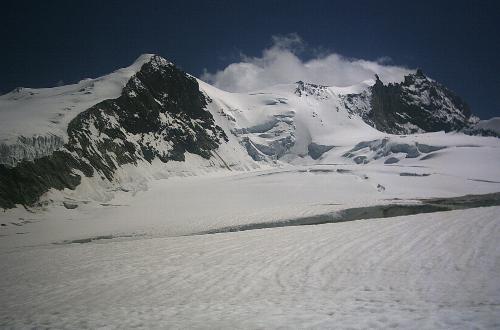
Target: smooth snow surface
437, 271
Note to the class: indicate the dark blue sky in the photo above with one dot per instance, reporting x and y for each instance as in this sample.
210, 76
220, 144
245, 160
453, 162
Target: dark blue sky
455, 42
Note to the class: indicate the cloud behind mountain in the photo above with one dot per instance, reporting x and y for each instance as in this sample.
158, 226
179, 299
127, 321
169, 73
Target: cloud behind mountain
282, 63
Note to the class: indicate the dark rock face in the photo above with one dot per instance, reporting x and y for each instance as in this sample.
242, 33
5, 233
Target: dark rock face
160, 114
418, 104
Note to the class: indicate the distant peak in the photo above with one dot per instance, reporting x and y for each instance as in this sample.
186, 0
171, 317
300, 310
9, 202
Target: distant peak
18, 90
144, 58
302, 84
420, 73
378, 82
307, 89
155, 60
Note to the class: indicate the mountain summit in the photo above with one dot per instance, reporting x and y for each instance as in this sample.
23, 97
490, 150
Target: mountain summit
417, 104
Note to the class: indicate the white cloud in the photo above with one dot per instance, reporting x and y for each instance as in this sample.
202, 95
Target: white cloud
281, 64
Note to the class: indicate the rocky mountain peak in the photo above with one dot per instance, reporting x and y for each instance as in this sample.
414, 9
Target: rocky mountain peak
309, 89
418, 104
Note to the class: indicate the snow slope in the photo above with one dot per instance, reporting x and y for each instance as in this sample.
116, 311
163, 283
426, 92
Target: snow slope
492, 124
283, 121
33, 122
436, 271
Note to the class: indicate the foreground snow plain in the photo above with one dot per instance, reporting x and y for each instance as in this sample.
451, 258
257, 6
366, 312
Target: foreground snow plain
435, 271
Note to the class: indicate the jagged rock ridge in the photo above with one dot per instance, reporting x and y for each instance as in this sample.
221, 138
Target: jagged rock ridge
418, 104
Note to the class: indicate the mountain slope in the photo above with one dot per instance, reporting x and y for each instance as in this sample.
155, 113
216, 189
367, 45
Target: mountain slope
489, 127
34, 122
286, 122
159, 114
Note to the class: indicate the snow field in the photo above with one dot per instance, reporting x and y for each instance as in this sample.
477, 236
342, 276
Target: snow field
426, 271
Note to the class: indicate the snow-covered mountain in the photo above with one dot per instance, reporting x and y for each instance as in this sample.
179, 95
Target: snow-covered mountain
488, 127
151, 119
417, 104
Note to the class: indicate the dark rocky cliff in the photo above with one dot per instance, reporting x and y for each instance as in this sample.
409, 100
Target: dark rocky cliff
418, 104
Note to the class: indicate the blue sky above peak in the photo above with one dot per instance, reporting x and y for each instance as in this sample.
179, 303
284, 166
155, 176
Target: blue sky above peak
454, 42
